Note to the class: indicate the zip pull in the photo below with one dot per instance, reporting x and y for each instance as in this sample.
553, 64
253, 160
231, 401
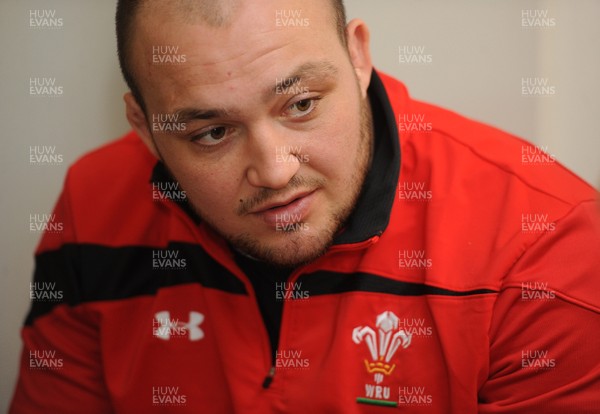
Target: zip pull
269, 378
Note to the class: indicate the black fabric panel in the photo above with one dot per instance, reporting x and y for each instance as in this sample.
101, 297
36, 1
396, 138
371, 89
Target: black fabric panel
59, 268
87, 272
328, 283
161, 175
264, 279
373, 208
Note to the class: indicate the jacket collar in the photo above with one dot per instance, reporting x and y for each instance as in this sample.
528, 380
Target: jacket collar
373, 208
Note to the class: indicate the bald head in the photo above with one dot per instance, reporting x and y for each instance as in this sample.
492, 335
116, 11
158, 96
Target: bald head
213, 13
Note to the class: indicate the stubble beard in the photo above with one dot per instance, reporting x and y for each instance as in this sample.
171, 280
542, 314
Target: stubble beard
300, 247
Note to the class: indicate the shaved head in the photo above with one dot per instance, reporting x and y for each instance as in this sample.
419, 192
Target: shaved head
272, 134
213, 13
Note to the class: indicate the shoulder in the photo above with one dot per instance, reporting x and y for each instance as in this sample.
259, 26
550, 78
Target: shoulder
476, 198
452, 145
124, 159
108, 194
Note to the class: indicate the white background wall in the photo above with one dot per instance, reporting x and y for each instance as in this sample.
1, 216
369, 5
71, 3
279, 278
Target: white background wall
479, 52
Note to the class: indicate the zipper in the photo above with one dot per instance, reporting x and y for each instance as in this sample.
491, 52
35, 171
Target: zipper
290, 288
269, 378
289, 293
248, 285
291, 283
263, 327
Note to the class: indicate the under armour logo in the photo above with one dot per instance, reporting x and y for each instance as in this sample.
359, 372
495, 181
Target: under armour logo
164, 327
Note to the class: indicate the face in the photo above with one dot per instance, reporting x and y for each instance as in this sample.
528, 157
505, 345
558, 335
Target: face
265, 125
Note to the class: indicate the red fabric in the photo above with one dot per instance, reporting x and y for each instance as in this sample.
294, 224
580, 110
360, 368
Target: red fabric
468, 357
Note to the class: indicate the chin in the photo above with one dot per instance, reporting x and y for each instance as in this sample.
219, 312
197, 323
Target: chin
292, 247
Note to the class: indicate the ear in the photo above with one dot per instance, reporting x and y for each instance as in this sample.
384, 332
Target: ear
137, 119
360, 53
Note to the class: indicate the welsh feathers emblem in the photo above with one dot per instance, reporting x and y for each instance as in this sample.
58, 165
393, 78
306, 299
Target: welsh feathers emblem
382, 343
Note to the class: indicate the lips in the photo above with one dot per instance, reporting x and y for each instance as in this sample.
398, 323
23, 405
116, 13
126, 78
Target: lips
291, 210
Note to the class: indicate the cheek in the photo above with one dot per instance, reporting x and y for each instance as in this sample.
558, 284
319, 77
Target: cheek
212, 192
335, 150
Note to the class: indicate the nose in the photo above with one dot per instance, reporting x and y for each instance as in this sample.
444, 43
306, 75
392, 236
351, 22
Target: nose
272, 162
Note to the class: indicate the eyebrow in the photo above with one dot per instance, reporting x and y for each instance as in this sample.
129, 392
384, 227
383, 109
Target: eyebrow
309, 71
193, 114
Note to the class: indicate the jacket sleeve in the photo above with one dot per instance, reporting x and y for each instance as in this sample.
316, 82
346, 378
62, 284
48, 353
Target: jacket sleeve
544, 335
61, 364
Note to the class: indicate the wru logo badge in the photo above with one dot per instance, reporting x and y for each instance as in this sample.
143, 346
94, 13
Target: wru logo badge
382, 345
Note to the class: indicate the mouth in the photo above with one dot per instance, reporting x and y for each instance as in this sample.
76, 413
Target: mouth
290, 210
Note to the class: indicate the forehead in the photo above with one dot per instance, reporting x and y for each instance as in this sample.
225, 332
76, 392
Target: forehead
214, 13
251, 39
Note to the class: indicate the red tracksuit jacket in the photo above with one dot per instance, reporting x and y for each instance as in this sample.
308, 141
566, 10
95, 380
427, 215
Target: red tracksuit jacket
467, 281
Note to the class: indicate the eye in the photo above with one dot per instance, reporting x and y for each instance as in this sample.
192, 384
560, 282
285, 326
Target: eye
302, 107
211, 137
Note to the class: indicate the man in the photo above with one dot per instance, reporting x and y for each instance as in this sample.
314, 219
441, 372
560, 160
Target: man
278, 234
